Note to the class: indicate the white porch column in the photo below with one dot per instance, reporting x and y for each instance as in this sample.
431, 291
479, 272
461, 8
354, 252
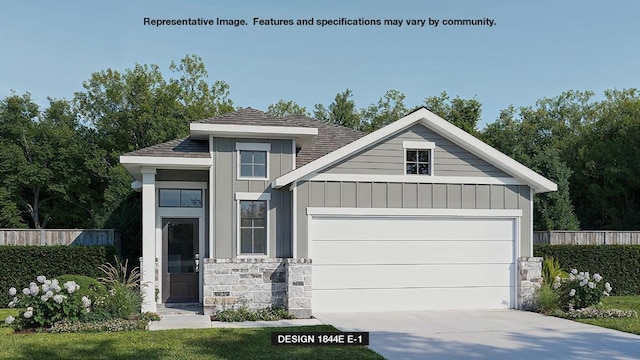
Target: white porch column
149, 239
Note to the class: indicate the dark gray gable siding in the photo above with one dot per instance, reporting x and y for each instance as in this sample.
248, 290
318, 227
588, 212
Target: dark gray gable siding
387, 157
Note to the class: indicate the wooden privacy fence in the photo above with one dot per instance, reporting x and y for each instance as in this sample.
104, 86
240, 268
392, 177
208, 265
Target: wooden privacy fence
587, 237
60, 237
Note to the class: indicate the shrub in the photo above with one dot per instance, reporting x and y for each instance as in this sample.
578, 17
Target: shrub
125, 298
547, 298
581, 290
45, 302
112, 325
619, 264
19, 265
90, 287
551, 271
596, 313
245, 314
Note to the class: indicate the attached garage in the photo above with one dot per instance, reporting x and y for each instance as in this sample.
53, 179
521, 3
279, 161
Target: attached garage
413, 259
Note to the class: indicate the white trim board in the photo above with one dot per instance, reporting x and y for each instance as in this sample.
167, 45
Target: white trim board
252, 196
482, 213
420, 179
418, 145
301, 134
160, 161
442, 127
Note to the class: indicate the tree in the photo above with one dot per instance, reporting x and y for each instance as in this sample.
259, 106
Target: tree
341, 111
285, 108
531, 136
41, 164
606, 179
389, 108
464, 114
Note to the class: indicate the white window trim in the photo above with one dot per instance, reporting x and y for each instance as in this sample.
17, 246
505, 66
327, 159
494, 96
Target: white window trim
266, 147
419, 148
252, 197
418, 145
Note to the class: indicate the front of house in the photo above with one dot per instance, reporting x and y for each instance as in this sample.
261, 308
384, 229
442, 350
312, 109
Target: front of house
258, 210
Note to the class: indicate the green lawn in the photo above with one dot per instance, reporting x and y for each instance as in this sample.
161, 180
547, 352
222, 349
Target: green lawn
171, 344
630, 325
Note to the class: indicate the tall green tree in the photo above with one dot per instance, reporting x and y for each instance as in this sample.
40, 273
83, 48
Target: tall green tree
389, 108
542, 137
341, 111
42, 164
463, 113
285, 108
606, 163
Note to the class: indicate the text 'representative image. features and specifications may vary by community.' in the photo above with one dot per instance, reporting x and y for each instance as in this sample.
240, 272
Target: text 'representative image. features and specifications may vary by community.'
324, 22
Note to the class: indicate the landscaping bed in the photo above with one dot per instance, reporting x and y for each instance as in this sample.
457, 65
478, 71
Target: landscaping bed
630, 325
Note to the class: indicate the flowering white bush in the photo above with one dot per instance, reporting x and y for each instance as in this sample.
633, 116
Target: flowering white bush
44, 303
581, 289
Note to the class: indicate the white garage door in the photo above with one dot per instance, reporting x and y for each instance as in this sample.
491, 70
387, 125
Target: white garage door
384, 263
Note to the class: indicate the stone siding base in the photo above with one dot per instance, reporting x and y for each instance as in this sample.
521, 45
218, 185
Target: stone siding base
257, 283
530, 280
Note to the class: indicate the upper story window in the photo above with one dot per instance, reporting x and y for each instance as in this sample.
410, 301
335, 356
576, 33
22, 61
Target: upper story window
253, 160
189, 198
418, 157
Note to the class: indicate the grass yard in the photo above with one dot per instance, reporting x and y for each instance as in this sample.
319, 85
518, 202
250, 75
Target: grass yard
630, 325
171, 344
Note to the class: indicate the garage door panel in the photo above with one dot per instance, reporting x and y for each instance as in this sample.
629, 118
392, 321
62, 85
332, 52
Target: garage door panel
410, 228
415, 299
411, 252
429, 262
406, 276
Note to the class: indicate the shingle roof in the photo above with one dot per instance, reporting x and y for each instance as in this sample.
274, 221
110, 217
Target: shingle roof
177, 148
330, 136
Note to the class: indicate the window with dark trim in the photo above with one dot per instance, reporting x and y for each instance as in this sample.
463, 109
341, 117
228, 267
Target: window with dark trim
418, 162
188, 198
253, 227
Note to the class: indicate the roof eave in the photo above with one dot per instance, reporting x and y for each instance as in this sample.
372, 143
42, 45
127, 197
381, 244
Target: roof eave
135, 164
302, 135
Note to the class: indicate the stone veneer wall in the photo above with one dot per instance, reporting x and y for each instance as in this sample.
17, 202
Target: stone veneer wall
530, 279
257, 283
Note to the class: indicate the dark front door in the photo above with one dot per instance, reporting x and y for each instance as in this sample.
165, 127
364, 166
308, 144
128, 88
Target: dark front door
180, 246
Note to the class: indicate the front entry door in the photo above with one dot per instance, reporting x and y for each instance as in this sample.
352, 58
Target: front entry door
180, 248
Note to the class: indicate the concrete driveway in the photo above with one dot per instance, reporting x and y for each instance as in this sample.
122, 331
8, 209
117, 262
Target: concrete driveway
495, 334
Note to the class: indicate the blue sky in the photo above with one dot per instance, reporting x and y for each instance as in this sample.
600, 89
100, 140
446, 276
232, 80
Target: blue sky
536, 49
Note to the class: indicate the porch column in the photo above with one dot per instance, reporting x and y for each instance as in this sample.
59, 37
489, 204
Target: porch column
148, 239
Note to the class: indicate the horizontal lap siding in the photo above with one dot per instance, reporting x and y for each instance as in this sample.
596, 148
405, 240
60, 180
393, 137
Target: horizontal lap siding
408, 195
387, 158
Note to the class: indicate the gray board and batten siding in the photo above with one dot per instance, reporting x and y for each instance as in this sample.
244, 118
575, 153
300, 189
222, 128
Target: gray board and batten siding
387, 158
226, 185
410, 196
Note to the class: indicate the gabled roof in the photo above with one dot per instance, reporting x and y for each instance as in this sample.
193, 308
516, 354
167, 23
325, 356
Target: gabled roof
435, 123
